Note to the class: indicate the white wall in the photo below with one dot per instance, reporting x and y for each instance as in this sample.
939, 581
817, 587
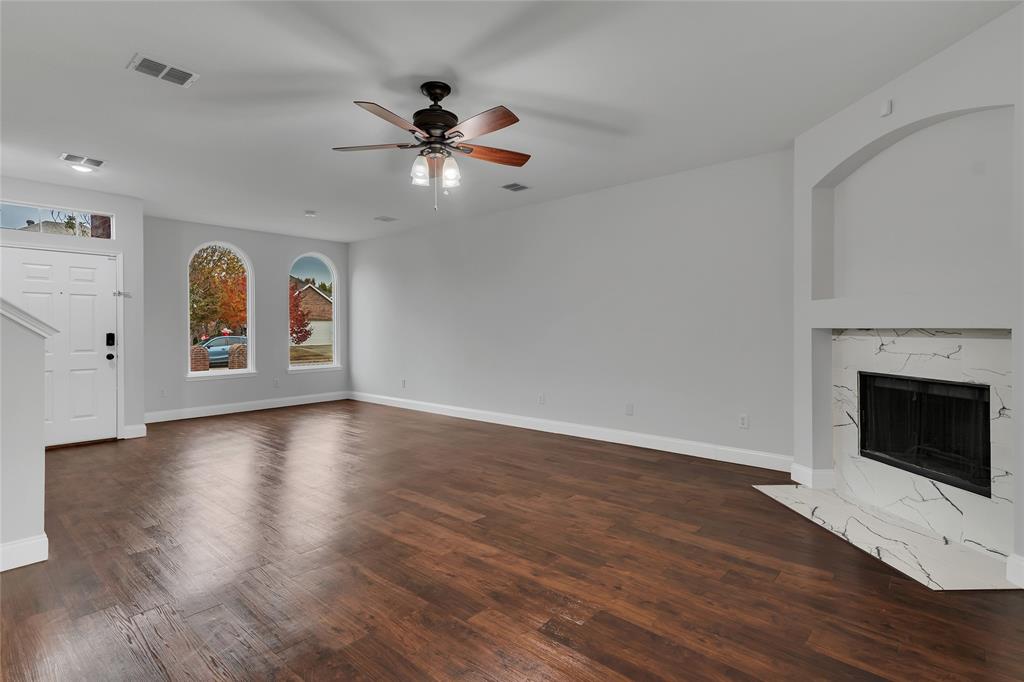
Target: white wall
128, 241
674, 294
931, 214
22, 466
169, 395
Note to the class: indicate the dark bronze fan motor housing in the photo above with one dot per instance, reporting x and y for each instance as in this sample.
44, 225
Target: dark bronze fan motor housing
434, 119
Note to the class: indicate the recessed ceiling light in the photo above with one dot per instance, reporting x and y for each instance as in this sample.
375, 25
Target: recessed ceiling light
311, 214
82, 169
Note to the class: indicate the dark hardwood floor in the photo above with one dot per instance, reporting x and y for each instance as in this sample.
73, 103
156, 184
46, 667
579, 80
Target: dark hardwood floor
352, 541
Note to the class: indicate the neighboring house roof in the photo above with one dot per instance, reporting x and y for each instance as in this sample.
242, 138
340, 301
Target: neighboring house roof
303, 285
317, 305
314, 288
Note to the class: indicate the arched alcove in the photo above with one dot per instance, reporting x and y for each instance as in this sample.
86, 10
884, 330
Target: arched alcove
945, 182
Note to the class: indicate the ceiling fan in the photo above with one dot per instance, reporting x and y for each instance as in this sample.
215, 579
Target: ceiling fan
439, 134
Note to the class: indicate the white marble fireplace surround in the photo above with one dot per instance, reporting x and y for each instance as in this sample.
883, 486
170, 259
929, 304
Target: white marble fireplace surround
974, 356
942, 536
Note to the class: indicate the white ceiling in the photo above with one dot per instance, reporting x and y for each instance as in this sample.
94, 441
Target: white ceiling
607, 93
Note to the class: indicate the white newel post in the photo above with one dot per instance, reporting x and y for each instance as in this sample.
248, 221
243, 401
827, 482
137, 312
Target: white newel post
22, 458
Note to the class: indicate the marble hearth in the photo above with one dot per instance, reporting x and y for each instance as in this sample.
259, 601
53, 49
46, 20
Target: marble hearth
920, 526
913, 550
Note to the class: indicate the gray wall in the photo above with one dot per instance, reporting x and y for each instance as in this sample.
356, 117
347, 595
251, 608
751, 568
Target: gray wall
674, 294
169, 244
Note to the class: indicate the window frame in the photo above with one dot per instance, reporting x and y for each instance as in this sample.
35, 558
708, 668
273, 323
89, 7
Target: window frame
334, 365
26, 204
222, 373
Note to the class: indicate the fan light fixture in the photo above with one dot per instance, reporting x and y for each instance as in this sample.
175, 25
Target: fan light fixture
450, 175
420, 172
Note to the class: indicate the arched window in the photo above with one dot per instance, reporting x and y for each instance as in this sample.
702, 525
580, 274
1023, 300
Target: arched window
312, 337
219, 310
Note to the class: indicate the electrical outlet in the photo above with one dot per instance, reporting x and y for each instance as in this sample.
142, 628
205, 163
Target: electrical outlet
542, 399
163, 392
629, 409
277, 384
744, 422
403, 383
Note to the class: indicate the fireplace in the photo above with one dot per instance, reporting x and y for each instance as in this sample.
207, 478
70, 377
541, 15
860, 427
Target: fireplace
937, 429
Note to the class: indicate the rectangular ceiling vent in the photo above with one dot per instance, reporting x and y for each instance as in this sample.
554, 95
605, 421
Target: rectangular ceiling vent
514, 187
385, 219
84, 160
171, 74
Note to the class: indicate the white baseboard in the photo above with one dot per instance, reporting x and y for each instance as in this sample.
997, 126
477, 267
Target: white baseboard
722, 453
249, 406
813, 478
133, 431
1015, 569
23, 552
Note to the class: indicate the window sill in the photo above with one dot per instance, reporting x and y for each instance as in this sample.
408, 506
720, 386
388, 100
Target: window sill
219, 374
302, 369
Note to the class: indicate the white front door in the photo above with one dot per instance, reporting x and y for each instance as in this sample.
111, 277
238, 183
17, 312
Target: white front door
74, 293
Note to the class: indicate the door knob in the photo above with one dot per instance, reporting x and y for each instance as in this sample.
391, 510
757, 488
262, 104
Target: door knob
110, 356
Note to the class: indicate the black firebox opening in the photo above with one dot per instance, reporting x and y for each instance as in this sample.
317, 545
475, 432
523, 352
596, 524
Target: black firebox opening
938, 429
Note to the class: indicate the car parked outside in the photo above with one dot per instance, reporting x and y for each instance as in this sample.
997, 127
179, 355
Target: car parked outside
218, 348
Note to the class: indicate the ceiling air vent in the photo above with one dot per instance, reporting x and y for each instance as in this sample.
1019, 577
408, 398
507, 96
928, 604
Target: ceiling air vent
514, 187
177, 76
171, 74
385, 219
84, 160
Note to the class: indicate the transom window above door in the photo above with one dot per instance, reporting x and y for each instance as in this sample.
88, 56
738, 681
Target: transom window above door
51, 220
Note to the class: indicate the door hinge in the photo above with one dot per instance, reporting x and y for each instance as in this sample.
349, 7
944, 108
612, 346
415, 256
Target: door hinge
123, 294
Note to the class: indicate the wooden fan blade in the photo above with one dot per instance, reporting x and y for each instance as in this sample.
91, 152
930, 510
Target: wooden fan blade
492, 154
391, 117
367, 147
481, 124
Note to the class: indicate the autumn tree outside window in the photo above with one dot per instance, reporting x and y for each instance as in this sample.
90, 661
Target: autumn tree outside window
218, 290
